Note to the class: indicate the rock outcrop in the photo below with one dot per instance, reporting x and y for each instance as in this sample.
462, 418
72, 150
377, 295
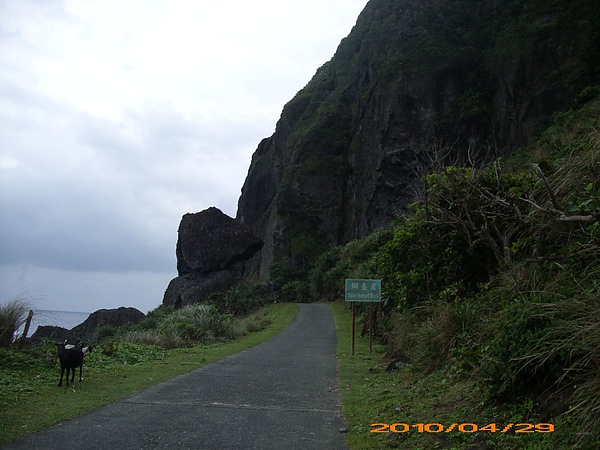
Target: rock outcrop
211, 251
49, 332
86, 330
114, 317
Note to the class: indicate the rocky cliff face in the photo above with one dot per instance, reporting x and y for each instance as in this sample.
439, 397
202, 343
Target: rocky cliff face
211, 251
416, 83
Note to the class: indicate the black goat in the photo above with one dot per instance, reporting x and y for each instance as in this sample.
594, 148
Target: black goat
70, 358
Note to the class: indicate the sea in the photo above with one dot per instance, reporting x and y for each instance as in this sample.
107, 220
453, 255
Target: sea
64, 319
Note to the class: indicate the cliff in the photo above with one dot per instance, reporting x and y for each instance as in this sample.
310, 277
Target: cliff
415, 84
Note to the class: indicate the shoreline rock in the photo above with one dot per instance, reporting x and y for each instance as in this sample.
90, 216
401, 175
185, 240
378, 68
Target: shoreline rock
85, 331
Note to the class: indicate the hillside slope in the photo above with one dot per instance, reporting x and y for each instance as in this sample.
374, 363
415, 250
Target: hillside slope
416, 83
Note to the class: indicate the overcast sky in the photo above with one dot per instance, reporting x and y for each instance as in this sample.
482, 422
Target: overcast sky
119, 116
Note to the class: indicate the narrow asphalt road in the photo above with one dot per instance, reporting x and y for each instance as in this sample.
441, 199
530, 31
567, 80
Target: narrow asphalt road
281, 394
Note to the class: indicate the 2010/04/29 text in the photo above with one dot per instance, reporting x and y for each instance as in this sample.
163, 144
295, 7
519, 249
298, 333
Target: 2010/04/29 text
462, 428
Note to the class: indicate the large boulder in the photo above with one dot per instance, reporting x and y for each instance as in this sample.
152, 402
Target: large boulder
211, 247
114, 317
50, 332
211, 241
195, 288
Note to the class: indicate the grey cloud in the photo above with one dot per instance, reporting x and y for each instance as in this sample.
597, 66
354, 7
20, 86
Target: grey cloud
111, 194
63, 290
104, 199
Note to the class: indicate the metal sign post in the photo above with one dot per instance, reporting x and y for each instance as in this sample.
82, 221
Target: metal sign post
363, 291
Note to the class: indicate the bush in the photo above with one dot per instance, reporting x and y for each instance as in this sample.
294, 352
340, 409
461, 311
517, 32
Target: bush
296, 292
105, 332
546, 337
573, 343
242, 299
354, 260
197, 323
438, 334
169, 328
253, 322
146, 337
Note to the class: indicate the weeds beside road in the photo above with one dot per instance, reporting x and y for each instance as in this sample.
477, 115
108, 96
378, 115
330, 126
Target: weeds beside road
428, 403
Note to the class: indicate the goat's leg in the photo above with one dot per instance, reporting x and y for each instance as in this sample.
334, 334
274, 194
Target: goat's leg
62, 371
80, 373
72, 374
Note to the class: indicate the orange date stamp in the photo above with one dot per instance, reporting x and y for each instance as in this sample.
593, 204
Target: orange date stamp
462, 428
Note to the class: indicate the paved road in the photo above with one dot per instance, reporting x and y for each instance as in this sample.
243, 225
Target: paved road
281, 394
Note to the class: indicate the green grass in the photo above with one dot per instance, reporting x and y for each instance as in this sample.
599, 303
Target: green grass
35, 402
372, 395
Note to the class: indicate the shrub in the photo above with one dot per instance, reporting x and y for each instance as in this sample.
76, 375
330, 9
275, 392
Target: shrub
296, 291
438, 334
148, 323
105, 332
242, 299
353, 260
171, 340
577, 334
196, 323
569, 347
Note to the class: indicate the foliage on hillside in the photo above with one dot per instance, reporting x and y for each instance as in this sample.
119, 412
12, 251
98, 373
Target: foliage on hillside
495, 275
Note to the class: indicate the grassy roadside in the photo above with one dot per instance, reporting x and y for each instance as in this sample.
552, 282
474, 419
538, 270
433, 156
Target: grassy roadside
45, 405
372, 395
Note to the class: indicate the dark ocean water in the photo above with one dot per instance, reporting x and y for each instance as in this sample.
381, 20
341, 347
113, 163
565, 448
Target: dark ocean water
64, 319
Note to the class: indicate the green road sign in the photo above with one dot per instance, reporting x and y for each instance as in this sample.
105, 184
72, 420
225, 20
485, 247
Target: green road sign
363, 290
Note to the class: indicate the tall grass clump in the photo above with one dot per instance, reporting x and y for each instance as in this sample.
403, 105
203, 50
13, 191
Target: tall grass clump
577, 334
436, 335
185, 327
224, 316
198, 323
13, 314
559, 347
